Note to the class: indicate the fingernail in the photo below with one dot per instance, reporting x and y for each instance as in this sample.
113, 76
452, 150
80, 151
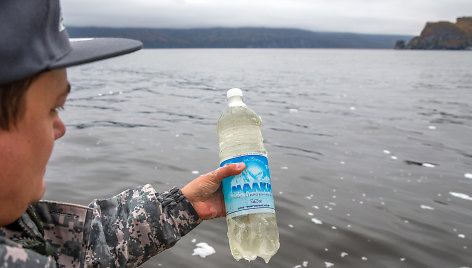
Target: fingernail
240, 165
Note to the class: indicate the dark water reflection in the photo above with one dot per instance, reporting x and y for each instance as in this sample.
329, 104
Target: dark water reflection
370, 150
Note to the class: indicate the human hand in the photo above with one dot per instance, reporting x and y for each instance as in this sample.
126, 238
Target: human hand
205, 192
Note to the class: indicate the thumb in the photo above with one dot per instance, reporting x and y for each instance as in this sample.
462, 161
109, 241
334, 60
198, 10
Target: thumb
228, 170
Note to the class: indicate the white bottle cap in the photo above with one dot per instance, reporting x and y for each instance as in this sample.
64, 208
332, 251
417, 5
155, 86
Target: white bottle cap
234, 92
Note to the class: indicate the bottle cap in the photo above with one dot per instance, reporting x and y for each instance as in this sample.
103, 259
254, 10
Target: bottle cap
234, 92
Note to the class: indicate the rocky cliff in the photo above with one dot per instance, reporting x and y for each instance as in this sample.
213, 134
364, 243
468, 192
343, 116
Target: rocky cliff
444, 35
465, 24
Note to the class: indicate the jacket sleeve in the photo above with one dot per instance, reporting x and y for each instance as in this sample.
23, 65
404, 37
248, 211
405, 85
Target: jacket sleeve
13, 255
135, 225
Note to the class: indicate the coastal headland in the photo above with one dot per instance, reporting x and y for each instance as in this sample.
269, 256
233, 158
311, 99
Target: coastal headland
442, 35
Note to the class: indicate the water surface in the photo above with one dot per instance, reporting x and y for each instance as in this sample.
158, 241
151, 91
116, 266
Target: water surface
370, 150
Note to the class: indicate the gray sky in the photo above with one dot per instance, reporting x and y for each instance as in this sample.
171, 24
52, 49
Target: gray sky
359, 16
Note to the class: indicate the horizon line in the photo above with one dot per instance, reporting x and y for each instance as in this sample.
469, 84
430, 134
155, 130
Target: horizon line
233, 27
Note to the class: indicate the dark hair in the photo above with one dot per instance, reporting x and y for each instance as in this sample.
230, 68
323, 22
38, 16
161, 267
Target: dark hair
12, 101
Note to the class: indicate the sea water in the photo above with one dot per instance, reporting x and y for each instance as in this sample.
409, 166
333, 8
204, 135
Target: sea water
327, 160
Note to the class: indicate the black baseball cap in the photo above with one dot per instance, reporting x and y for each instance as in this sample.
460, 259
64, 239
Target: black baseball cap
33, 39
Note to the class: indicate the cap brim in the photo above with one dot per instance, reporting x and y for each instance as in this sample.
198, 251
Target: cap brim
85, 50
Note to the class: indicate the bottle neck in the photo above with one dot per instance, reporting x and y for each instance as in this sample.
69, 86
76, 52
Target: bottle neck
236, 101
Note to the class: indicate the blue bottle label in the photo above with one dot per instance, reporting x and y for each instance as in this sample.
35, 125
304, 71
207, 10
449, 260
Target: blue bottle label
251, 191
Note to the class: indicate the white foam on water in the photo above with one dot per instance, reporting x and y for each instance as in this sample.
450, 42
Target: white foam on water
432, 127
393, 157
290, 225
364, 258
468, 175
428, 165
310, 214
304, 264
461, 235
329, 264
195, 172
426, 207
316, 221
194, 240
460, 195
203, 250
292, 110
344, 254
402, 259
352, 108
386, 151
284, 168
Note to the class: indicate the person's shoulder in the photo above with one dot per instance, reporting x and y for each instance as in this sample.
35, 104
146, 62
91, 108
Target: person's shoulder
14, 255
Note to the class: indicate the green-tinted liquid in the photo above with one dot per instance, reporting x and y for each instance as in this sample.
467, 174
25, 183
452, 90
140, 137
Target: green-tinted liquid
251, 235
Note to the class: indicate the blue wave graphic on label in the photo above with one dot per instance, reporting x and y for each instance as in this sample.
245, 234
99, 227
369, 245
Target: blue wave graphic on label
251, 191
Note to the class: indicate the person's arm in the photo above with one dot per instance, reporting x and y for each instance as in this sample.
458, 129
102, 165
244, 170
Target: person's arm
135, 225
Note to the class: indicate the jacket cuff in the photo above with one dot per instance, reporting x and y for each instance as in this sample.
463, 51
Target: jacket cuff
180, 209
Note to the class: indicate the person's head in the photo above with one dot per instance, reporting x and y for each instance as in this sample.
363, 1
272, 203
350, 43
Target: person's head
27, 137
34, 52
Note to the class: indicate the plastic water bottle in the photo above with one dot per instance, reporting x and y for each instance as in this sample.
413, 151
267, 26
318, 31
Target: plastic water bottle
250, 212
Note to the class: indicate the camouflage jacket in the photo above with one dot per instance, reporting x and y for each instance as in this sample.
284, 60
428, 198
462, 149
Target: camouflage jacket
122, 231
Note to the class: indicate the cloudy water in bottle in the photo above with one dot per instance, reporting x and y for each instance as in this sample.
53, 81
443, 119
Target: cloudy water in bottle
250, 212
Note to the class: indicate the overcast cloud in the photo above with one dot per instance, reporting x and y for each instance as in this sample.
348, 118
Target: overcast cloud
359, 16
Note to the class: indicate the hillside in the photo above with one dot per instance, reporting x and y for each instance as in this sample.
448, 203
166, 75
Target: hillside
240, 37
444, 35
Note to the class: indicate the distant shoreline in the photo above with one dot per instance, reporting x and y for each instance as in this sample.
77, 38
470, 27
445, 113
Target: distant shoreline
246, 37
